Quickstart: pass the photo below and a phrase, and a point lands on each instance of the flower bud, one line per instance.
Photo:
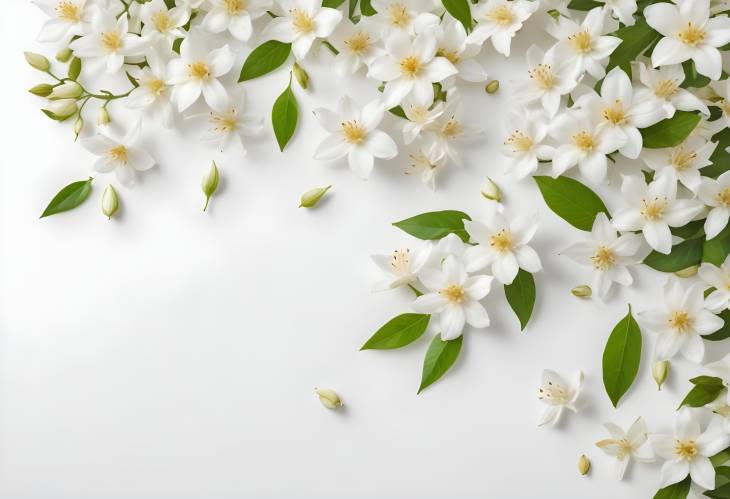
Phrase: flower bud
(329, 398)
(492, 87)
(301, 76)
(42, 90)
(582, 291)
(109, 201)
(78, 126)
(688, 272)
(659, 371)
(210, 183)
(584, 465)
(64, 55)
(102, 117)
(68, 90)
(37, 61)
(490, 190)
(62, 108)
(310, 198)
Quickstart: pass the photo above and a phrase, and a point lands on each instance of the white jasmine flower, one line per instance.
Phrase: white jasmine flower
(584, 143)
(585, 45)
(402, 267)
(419, 116)
(719, 278)
(68, 19)
(558, 395)
(608, 253)
(663, 84)
(654, 208)
(685, 160)
(688, 451)
(623, 445)
(108, 40)
(121, 156)
(688, 33)
(451, 40)
(427, 161)
(623, 10)
(300, 22)
(234, 16)
(358, 46)
(410, 68)
(716, 195)
(549, 79)
(354, 133)
(161, 24)
(502, 245)
(231, 125)
(196, 72)
(453, 296)
(681, 321)
(153, 94)
(500, 20)
(408, 16)
(447, 129)
(524, 145)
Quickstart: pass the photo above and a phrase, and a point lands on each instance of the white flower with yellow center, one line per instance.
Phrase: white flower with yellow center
(549, 79)
(716, 195)
(353, 133)
(502, 245)
(654, 208)
(623, 445)
(428, 161)
(451, 40)
(722, 89)
(407, 16)
(68, 18)
(623, 10)
(584, 143)
(162, 25)
(685, 160)
(122, 156)
(419, 116)
(688, 33)
(196, 72)
(358, 46)
(718, 278)
(585, 46)
(688, 450)
(454, 297)
(680, 323)
(524, 144)
(447, 130)
(499, 21)
(558, 395)
(410, 67)
(301, 22)
(234, 16)
(152, 93)
(402, 266)
(608, 254)
(108, 41)
(230, 125)
(663, 84)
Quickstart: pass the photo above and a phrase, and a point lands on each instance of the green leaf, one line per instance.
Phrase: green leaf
(284, 116)
(621, 358)
(583, 5)
(683, 255)
(264, 59)
(69, 197)
(74, 68)
(521, 296)
(670, 132)
(440, 356)
(131, 79)
(634, 40)
(366, 8)
(398, 111)
(722, 457)
(332, 4)
(459, 10)
(694, 228)
(436, 224)
(724, 332)
(722, 492)
(720, 158)
(722, 475)
(679, 490)
(692, 79)
(706, 389)
(715, 250)
(570, 200)
(176, 45)
(398, 332)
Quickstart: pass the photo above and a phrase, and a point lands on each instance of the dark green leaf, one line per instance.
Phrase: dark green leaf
(459, 10)
(621, 358)
(722, 476)
(74, 68)
(683, 255)
(694, 228)
(284, 116)
(264, 59)
(440, 356)
(722, 457)
(521, 296)
(679, 490)
(715, 250)
(69, 197)
(176, 45)
(670, 132)
(720, 157)
(398, 111)
(436, 224)
(583, 5)
(721, 492)
(724, 332)
(366, 8)
(692, 79)
(572, 201)
(634, 40)
(706, 389)
(398, 332)
(332, 4)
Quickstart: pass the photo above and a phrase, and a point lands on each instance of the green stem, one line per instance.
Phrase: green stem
(207, 199)
(330, 47)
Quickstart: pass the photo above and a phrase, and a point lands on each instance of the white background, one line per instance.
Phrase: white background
(173, 354)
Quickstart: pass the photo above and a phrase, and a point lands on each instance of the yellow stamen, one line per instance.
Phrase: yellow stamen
(353, 132)
(686, 449)
(155, 86)
(410, 66)
(111, 41)
(225, 122)
(723, 198)
(68, 11)
(666, 88)
(235, 7)
(683, 159)
(681, 321)
(501, 15)
(519, 141)
(302, 22)
(454, 293)
(162, 22)
(615, 113)
(581, 42)
(198, 70)
(359, 42)
(603, 258)
(653, 209)
(501, 241)
(543, 76)
(401, 261)
(450, 55)
(584, 141)
(398, 15)
(118, 153)
(692, 35)
(452, 129)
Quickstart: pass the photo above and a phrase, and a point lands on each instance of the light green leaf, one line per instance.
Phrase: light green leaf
(264, 59)
(74, 68)
(436, 224)
(570, 200)
(398, 332)
(722, 457)
(682, 255)
(670, 132)
(679, 490)
(69, 197)
(366, 8)
(695, 228)
(634, 41)
(724, 332)
(583, 5)
(715, 250)
(284, 116)
(722, 475)
(459, 10)
(706, 389)
(521, 296)
(621, 358)
(440, 356)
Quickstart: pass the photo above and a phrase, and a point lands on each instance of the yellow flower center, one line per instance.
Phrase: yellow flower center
(302, 22)
(235, 7)
(359, 42)
(398, 15)
(198, 70)
(454, 293)
(680, 320)
(682, 159)
(68, 11)
(501, 15)
(603, 258)
(615, 113)
(155, 86)
(452, 128)
(453, 57)
(118, 153)
(543, 76)
(224, 122)
(686, 449)
(401, 261)
(353, 132)
(162, 22)
(692, 35)
(666, 88)
(519, 141)
(584, 141)
(501, 241)
(581, 42)
(653, 209)
(411, 66)
(624, 447)
(723, 198)
(111, 41)
(555, 394)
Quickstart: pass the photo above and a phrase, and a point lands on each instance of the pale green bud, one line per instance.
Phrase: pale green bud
(310, 198)
(329, 398)
(688, 272)
(660, 371)
(68, 90)
(109, 201)
(490, 190)
(78, 126)
(37, 61)
(42, 90)
(584, 465)
(62, 108)
(582, 291)
(102, 117)
(64, 55)
(492, 87)
(301, 76)
(210, 183)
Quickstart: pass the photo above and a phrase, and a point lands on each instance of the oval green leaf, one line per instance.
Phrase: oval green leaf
(683, 255)
(679, 490)
(398, 332)
(264, 59)
(440, 356)
(284, 116)
(634, 41)
(571, 200)
(521, 296)
(706, 390)
(670, 132)
(621, 358)
(436, 224)
(69, 197)
(459, 10)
